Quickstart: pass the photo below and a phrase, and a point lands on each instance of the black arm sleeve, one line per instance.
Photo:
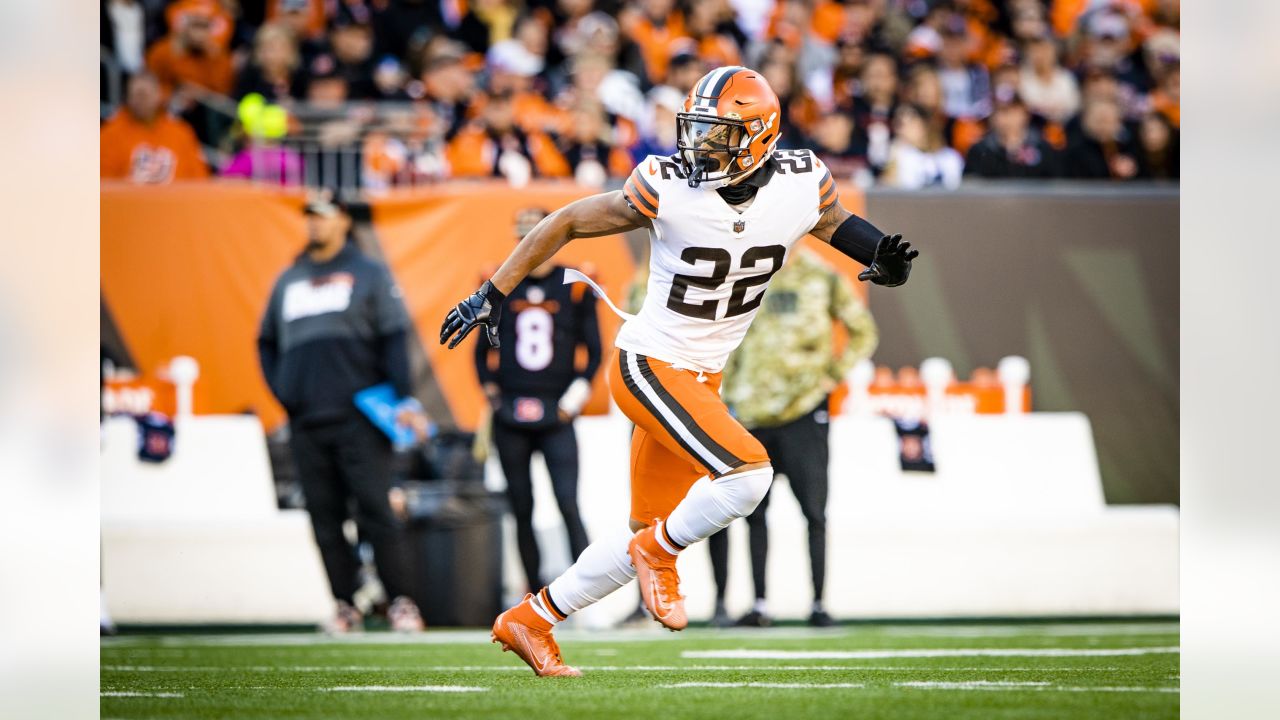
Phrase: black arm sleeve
(589, 327)
(857, 238)
(395, 362)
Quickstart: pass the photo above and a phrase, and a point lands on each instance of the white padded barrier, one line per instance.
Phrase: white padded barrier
(198, 537)
(1013, 523)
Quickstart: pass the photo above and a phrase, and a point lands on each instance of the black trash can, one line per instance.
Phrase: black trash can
(455, 541)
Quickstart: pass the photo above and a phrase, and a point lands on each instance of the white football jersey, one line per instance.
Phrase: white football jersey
(709, 264)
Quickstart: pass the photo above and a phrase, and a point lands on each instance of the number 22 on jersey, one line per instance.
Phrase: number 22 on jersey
(765, 258)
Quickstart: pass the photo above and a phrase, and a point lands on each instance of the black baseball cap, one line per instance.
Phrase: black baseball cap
(323, 204)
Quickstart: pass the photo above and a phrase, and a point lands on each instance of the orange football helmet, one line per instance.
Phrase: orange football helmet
(729, 127)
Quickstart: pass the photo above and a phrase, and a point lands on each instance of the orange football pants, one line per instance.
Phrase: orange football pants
(683, 431)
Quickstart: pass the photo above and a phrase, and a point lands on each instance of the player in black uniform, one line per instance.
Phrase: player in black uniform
(536, 389)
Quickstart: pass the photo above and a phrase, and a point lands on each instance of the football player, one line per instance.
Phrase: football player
(536, 390)
(722, 215)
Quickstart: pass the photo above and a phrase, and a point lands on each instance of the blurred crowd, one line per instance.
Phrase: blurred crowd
(903, 93)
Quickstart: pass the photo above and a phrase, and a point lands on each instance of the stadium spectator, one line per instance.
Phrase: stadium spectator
(874, 107)
(801, 109)
(1158, 157)
(1049, 89)
(389, 79)
(448, 88)
(275, 69)
(401, 25)
(658, 135)
(594, 76)
(307, 19)
(494, 146)
(1107, 46)
(590, 151)
(223, 26)
(335, 325)
(1105, 148)
(536, 389)
(918, 158)
(1013, 149)
(327, 87)
(128, 27)
(350, 53)
(266, 161)
(712, 34)
(653, 25)
(966, 86)
(487, 23)
(189, 59)
(840, 144)
(683, 71)
(144, 144)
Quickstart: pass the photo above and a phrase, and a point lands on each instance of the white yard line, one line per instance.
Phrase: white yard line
(744, 654)
(131, 693)
(1065, 630)
(968, 685)
(1038, 687)
(406, 688)
(781, 686)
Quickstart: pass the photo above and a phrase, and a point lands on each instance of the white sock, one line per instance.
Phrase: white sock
(712, 504)
(761, 607)
(602, 568)
(543, 611)
(662, 540)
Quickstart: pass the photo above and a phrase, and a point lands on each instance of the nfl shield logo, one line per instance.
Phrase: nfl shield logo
(739, 226)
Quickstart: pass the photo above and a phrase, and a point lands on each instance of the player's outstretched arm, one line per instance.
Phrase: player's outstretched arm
(595, 216)
(887, 257)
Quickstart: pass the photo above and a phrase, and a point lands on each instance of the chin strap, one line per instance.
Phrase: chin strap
(743, 191)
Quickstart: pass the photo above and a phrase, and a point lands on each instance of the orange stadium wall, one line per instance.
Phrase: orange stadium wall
(187, 268)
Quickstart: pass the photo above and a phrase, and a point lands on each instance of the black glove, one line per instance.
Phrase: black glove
(892, 263)
(483, 307)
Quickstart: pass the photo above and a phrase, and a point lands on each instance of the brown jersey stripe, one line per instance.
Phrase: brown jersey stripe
(826, 190)
(638, 202)
(828, 199)
(645, 188)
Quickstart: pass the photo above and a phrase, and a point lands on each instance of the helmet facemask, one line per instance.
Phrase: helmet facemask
(715, 151)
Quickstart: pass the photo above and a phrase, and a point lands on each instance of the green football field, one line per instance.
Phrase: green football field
(900, 671)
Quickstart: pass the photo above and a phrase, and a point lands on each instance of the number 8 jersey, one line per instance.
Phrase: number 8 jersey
(710, 264)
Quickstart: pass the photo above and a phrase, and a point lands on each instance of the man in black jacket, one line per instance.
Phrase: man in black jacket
(536, 389)
(1013, 149)
(335, 325)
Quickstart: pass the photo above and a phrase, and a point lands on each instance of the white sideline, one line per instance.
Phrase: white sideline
(592, 668)
(406, 688)
(130, 693)
(920, 653)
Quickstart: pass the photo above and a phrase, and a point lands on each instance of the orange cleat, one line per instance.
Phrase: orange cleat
(659, 583)
(523, 631)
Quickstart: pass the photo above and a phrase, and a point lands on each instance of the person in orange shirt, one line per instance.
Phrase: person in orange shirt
(223, 21)
(494, 146)
(144, 144)
(653, 26)
(190, 56)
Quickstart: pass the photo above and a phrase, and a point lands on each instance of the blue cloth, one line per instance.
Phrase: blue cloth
(380, 404)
